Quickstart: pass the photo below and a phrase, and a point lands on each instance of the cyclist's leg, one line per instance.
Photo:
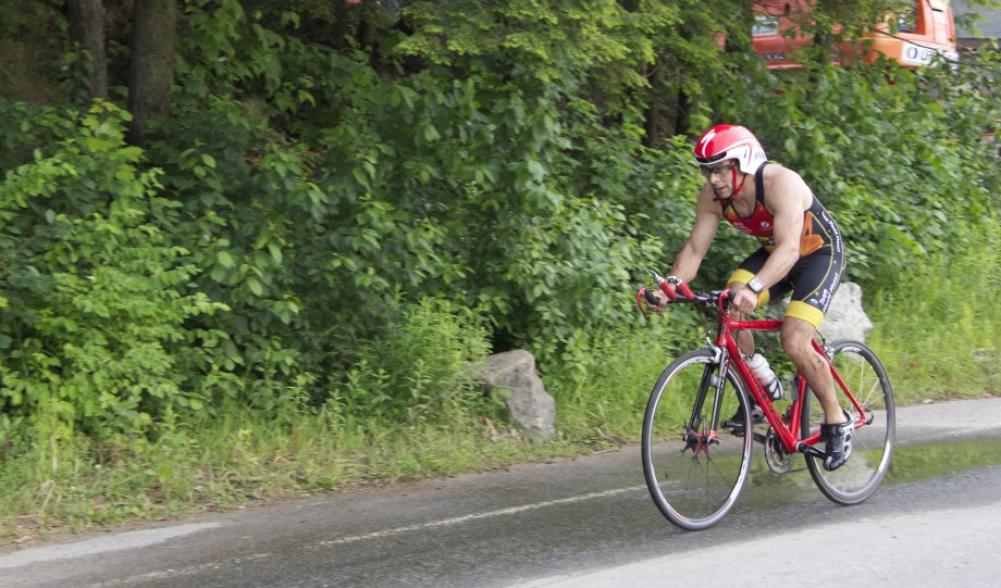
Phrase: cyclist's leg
(797, 334)
(815, 278)
(837, 428)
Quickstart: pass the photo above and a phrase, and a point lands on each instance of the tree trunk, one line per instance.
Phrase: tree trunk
(652, 124)
(681, 121)
(87, 26)
(151, 71)
(345, 17)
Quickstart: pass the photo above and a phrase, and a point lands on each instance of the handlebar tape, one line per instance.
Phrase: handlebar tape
(668, 289)
(672, 291)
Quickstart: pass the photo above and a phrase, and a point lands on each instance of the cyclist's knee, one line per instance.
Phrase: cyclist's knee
(796, 337)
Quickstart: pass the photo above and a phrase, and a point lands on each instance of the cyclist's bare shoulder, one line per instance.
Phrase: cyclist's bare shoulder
(776, 174)
(784, 186)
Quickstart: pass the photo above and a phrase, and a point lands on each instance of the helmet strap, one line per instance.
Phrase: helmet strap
(736, 189)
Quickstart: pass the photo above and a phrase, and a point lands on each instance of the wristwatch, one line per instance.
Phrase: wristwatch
(755, 285)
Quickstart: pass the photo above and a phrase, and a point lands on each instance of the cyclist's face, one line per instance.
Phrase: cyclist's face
(720, 178)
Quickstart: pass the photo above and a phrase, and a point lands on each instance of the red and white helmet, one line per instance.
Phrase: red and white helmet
(723, 142)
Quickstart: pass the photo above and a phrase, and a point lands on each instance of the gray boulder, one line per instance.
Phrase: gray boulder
(845, 317)
(530, 405)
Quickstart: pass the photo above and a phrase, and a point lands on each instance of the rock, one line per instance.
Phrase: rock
(845, 318)
(530, 405)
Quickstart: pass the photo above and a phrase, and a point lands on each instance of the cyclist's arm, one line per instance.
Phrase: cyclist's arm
(785, 198)
(707, 215)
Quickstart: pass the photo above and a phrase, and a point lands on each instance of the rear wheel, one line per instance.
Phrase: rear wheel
(872, 443)
(694, 473)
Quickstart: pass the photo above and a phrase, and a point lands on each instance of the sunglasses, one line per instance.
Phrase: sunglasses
(718, 169)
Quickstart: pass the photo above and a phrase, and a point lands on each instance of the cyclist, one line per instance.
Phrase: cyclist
(800, 251)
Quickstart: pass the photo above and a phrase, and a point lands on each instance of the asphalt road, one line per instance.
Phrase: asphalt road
(584, 522)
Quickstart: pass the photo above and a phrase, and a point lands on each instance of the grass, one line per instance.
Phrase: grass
(240, 460)
(937, 334)
(601, 386)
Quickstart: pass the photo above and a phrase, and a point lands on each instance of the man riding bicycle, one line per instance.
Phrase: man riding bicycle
(800, 252)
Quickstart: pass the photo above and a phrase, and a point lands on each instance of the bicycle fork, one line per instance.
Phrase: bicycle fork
(696, 436)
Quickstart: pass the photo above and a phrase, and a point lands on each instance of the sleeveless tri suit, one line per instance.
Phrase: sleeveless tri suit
(817, 273)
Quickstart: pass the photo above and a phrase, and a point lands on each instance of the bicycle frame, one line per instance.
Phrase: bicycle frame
(696, 492)
(787, 434)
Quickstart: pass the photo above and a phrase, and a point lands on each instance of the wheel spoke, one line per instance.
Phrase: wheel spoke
(693, 478)
(872, 444)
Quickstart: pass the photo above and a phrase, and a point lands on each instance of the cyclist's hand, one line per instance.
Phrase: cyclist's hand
(742, 299)
(661, 300)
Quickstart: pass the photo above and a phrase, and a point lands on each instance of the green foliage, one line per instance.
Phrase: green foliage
(937, 333)
(244, 457)
(424, 369)
(488, 153)
(540, 39)
(603, 379)
(94, 298)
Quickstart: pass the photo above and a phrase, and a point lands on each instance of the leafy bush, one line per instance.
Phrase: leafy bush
(95, 299)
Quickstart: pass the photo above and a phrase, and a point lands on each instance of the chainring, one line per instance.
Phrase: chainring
(776, 457)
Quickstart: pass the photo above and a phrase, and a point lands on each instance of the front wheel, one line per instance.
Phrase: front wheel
(695, 472)
(872, 443)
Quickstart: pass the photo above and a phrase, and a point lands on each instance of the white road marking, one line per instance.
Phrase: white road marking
(476, 516)
(143, 538)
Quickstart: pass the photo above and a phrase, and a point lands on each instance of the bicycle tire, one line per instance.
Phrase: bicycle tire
(872, 444)
(694, 492)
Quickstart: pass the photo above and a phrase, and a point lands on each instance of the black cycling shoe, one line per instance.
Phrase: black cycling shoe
(736, 422)
(838, 438)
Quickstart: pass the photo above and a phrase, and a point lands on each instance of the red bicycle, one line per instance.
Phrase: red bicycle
(695, 467)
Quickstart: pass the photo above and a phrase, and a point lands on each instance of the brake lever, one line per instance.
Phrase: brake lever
(665, 285)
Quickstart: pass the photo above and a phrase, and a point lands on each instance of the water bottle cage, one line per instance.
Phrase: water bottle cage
(765, 376)
(774, 390)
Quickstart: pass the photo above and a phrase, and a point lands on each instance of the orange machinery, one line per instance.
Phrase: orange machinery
(920, 34)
